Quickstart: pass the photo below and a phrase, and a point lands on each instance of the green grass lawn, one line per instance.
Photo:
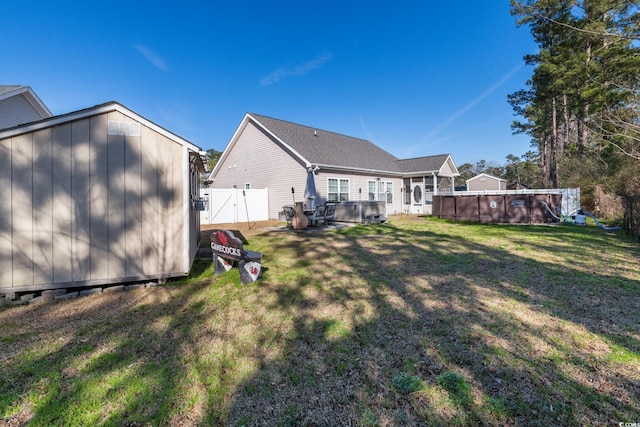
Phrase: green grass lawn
(415, 322)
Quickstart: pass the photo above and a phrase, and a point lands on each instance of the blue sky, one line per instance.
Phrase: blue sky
(414, 77)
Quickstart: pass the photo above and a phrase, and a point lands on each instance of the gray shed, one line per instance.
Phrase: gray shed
(97, 196)
(485, 181)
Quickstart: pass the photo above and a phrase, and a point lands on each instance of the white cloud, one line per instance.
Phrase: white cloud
(453, 117)
(299, 70)
(152, 57)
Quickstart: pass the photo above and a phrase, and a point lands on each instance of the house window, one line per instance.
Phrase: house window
(372, 191)
(247, 186)
(338, 190)
(383, 190)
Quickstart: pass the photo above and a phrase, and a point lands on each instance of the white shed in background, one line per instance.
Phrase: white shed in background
(485, 181)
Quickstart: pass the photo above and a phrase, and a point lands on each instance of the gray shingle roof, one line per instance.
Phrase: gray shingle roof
(328, 148)
(322, 147)
(423, 164)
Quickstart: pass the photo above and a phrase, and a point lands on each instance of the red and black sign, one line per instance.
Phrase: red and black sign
(225, 244)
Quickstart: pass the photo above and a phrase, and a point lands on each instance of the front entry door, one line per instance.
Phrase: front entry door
(417, 199)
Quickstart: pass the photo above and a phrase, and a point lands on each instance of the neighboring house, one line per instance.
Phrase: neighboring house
(20, 105)
(97, 196)
(485, 181)
(275, 154)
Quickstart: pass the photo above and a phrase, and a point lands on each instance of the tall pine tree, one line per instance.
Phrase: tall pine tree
(581, 105)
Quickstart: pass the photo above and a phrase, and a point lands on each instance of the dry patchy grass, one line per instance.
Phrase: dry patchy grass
(410, 323)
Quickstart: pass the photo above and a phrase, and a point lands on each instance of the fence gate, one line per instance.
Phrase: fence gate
(231, 205)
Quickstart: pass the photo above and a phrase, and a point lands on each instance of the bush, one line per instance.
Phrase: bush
(406, 383)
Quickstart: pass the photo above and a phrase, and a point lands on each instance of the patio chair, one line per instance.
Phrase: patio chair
(289, 212)
(329, 213)
(317, 215)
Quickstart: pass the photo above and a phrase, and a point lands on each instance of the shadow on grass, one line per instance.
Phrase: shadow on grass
(105, 360)
(496, 337)
(496, 325)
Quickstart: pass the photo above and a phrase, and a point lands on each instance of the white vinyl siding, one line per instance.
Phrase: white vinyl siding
(17, 110)
(277, 170)
(448, 168)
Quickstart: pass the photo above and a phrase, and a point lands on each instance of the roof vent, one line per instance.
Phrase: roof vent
(123, 128)
(315, 133)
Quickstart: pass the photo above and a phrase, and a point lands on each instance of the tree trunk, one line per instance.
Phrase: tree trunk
(565, 126)
(544, 160)
(583, 129)
(553, 177)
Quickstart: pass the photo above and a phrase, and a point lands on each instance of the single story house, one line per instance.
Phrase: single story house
(20, 105)
(96, 196)
(485, 181)
(269, 153)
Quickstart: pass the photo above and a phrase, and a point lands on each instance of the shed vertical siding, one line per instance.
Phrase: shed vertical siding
(6, 225)
(43, 214)
(115, 204)
(133, 206)
(99, 197)
(484, 182)
(84, 207)
(80, 191)
(21, 209)
(62, 204)
(170, 206)
(150, 209)
(165, 200)
(177, 204)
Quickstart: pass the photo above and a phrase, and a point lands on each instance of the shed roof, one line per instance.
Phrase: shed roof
(101, 109)
(329, 149)
(486, 175)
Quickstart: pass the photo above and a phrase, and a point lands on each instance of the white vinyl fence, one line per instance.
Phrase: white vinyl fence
(231, 205)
